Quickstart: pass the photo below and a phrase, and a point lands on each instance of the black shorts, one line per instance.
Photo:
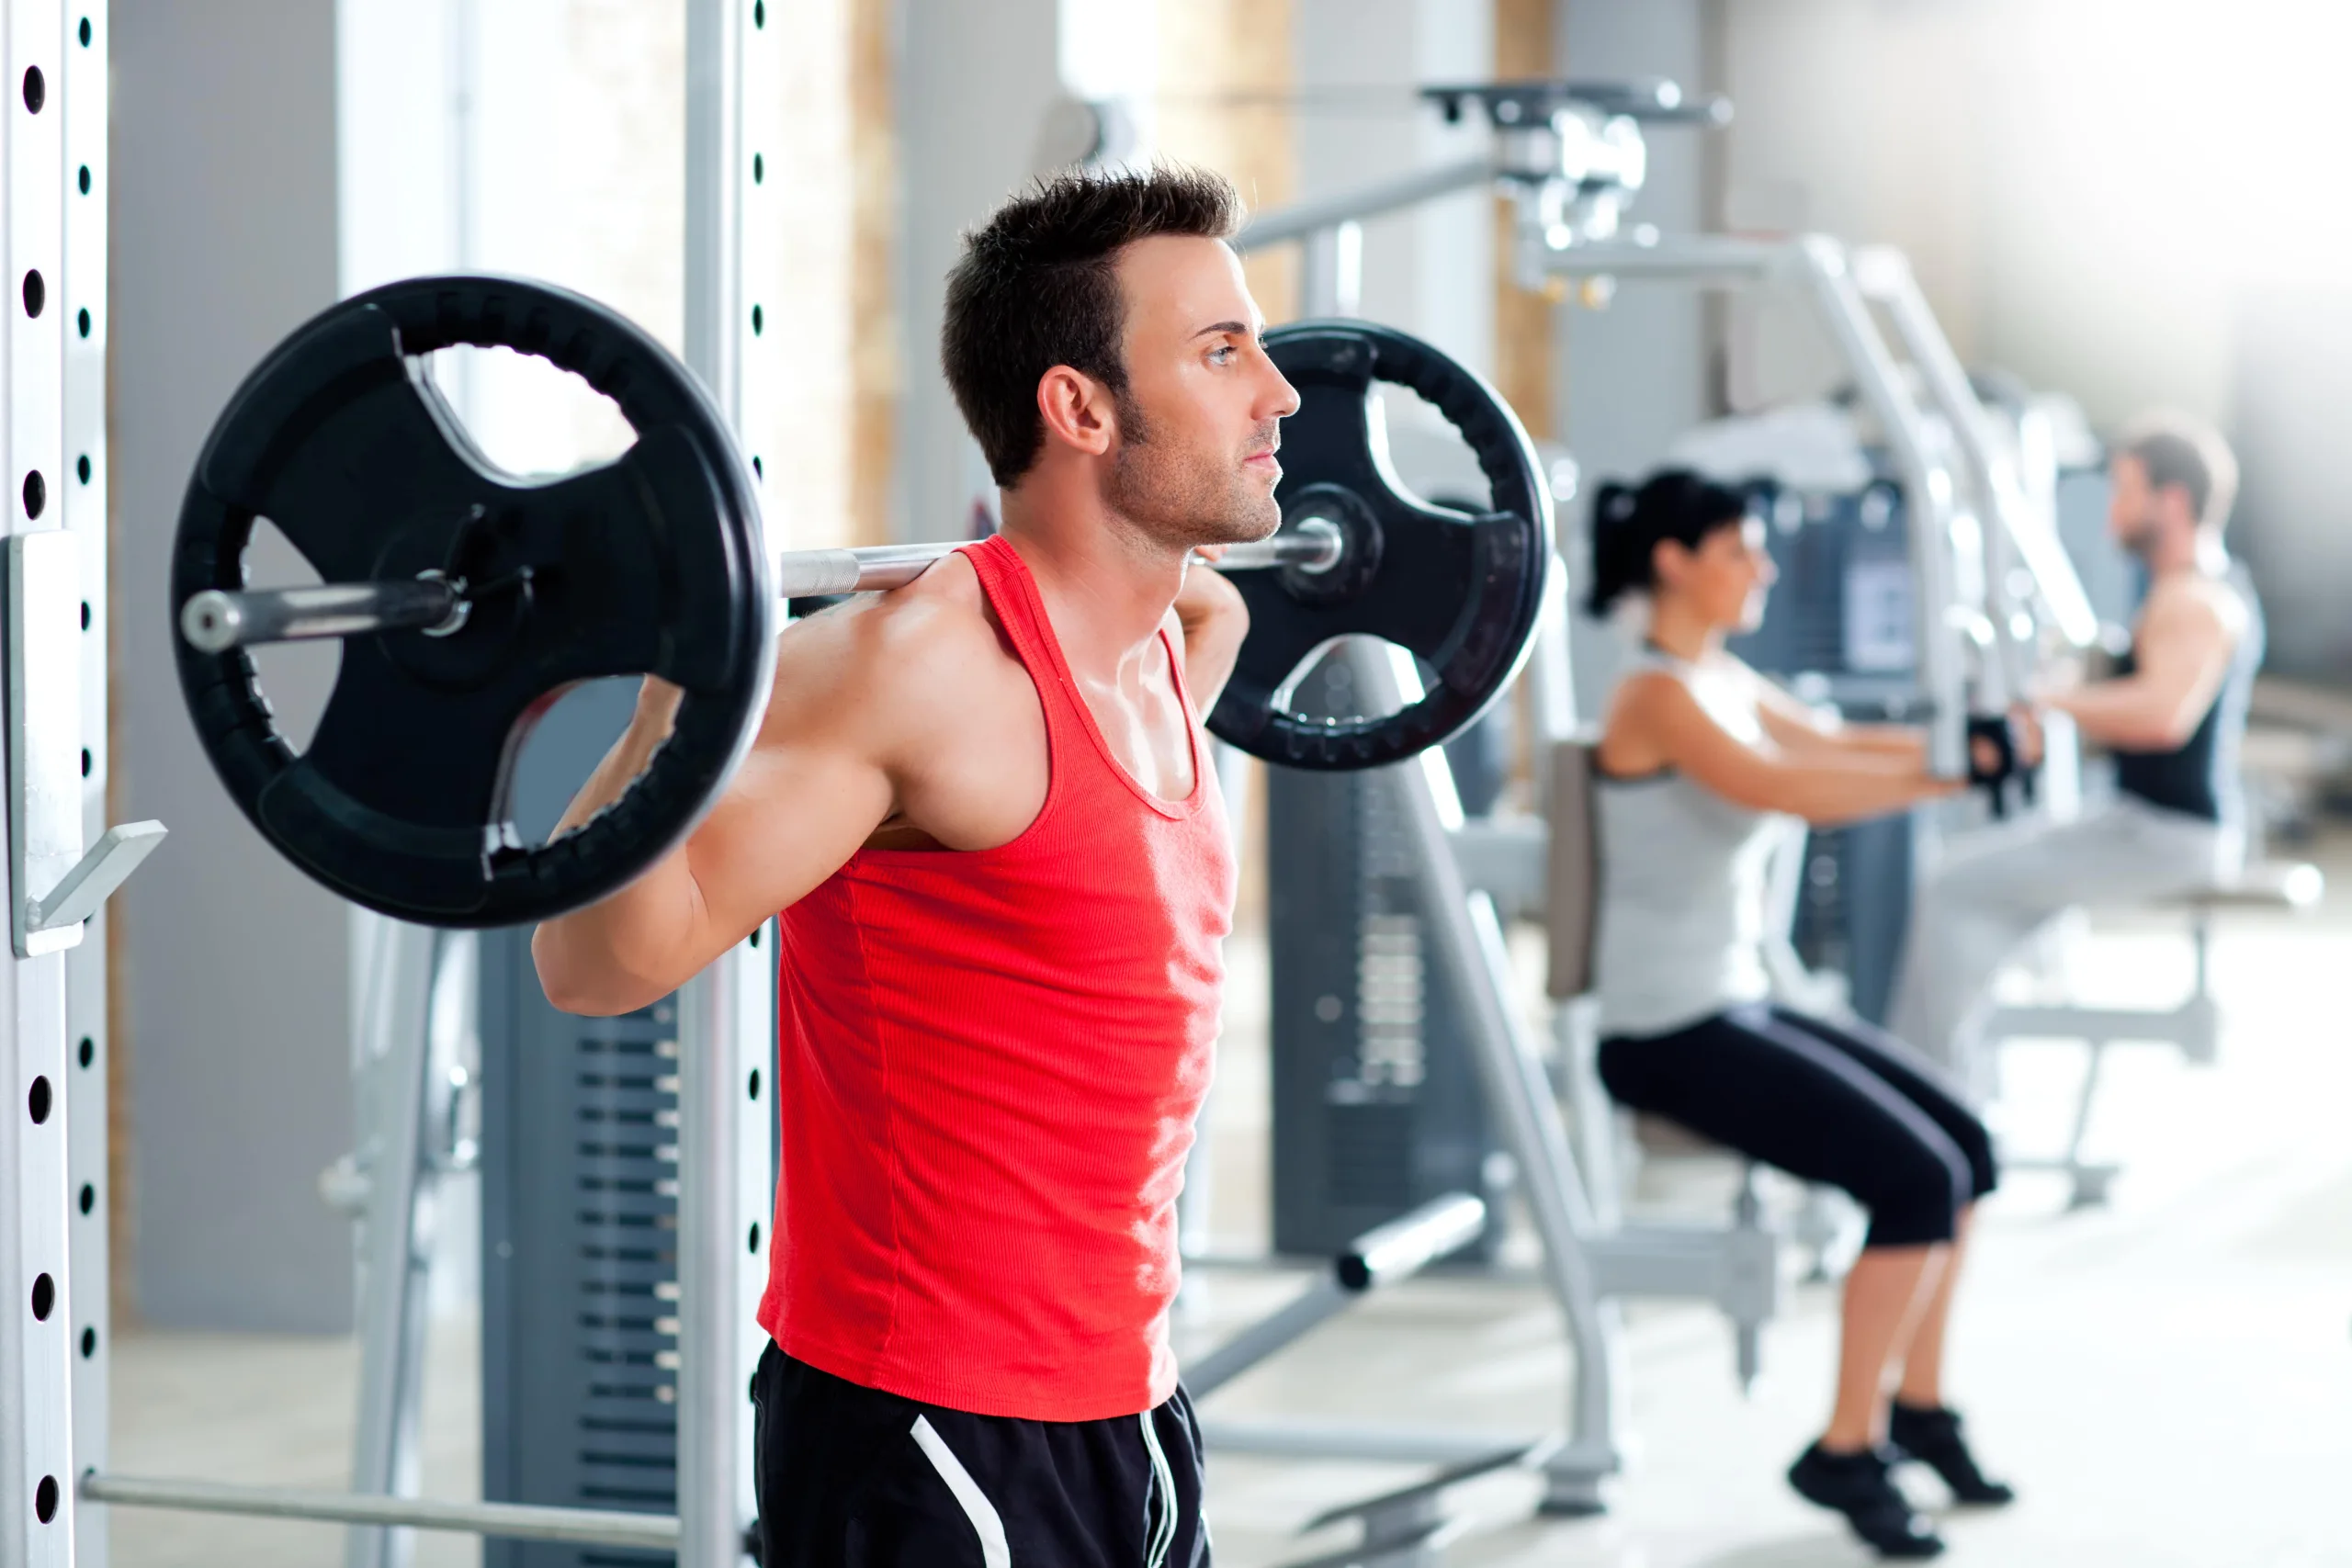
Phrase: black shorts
(849, 1477)
(1845, 1104)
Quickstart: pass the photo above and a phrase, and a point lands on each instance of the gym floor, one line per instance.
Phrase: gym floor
(2169, 1380)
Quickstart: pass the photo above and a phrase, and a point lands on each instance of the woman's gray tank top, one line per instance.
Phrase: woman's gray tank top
(1683, 875)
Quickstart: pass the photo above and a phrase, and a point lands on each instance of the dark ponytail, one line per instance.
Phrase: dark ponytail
(1630, 522)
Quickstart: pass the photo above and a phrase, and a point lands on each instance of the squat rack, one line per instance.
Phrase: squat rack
(52, 990)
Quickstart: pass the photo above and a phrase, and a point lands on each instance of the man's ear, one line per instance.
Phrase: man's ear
(1077, 410)
(2178, 500)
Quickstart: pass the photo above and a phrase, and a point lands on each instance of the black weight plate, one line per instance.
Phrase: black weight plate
(652, 563)
(1462, 591)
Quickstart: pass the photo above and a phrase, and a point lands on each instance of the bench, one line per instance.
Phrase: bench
(2192, 1026)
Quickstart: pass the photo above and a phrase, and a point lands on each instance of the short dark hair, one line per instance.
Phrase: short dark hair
(1630, 522)
(2172, 449)
(1035, 287)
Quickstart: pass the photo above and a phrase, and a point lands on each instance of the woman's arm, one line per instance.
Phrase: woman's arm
(1656, 723)
(1803, 729)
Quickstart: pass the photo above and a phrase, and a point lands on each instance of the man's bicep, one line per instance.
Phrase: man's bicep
(797, 810)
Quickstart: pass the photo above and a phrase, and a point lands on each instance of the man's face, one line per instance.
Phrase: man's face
(1194, 463)
(2137, 512)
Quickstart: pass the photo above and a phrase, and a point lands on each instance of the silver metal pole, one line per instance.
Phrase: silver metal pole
(1300, 218)
(1331, 272)
(1722, 261)
(1927, 490)
(713, 202)
(396, 1234)
(1380, 1256)
(1324, 1299)
(217, 619)
(714, 1440)
(508, 1521)
(710, 1225)
(1469, 940)
(1355, 1440)
(1885, 275)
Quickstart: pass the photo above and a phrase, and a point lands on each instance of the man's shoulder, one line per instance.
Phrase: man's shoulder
(2197, 596)
(932, 642)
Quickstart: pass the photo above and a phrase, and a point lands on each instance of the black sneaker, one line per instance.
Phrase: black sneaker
(1859, 1487)
(1932, 1436)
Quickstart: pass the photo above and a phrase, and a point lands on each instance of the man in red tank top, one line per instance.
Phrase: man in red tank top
(983, 803)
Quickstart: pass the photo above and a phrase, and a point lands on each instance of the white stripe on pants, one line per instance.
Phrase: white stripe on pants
(1995, 888)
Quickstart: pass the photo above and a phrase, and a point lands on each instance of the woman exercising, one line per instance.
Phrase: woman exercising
(1700, 760)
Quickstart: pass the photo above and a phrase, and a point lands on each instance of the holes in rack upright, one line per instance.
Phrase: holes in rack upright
(82, 468)
(83, 179)
(38, 1100)
(36, 494)
(44, 1297)
(36, 88)
(46, 1497)
(36, 292)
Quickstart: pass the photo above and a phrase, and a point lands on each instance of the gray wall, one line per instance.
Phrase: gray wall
(1633, 375)
(1636, 372)
(1427, 269)
(2138, 216)
(974, 85)
(224, 239)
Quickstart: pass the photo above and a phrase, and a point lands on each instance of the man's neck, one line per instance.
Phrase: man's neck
(2198, 553)
(1108, 589)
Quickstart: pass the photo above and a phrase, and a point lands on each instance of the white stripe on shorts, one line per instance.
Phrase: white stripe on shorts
(994, 1552)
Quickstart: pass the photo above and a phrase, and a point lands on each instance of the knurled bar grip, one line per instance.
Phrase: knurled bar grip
(218, 620)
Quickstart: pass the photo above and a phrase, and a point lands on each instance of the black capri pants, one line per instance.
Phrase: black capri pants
(1844, 1104)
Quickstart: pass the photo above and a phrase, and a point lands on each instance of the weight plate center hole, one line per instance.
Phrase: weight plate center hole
(530, 419)
(297, 677)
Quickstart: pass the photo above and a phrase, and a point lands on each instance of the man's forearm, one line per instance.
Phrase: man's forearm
(580, 954)
(1212, 643)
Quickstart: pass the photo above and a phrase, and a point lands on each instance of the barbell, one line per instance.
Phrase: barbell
(468, 601)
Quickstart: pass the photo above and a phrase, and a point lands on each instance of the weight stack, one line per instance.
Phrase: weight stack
(1377, 1107)
(1854, 910)
(580, 1261)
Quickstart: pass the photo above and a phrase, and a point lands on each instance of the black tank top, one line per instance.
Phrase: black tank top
(2199, 777)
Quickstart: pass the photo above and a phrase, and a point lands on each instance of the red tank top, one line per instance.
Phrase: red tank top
(990, 1065)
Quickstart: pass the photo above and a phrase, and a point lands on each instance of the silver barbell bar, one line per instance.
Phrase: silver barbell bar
(218, 620)
(508, 1521)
